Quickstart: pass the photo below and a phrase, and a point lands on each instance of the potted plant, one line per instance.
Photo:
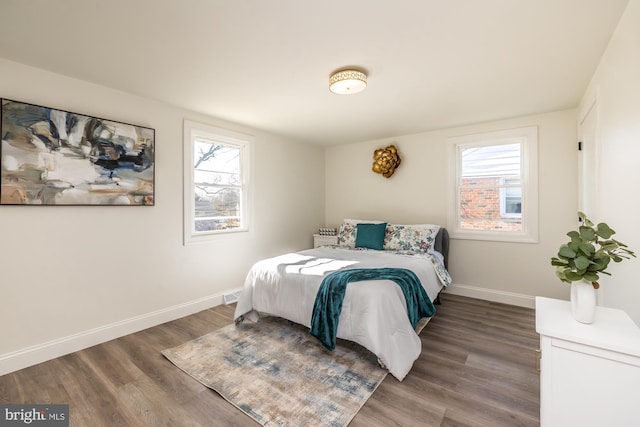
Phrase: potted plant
(583, 259)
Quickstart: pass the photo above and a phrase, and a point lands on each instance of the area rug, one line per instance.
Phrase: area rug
(279, 375)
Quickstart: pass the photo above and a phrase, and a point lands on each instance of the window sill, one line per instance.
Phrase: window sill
(213, 236)
(494, 236)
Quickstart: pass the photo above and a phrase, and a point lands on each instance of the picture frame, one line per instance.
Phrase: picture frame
(56, 157)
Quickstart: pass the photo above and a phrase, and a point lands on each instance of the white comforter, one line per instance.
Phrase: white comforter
(374, 313)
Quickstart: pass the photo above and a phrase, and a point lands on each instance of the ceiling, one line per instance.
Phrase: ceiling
(431, 63)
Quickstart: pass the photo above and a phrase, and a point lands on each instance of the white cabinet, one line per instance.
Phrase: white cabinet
(589, 374)
(322, 240)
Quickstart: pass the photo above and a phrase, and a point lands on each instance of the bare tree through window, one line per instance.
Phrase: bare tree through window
(217, 186)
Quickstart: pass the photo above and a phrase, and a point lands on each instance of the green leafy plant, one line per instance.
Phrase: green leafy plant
(589, 253)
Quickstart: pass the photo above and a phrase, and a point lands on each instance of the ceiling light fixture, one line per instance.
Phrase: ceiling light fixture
(346, 82)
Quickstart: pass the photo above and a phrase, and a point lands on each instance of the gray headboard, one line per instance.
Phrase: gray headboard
(442, 245)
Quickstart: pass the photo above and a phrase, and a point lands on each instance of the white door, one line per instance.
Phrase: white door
(588, 165)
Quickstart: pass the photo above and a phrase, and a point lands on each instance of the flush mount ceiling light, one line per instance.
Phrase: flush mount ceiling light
(346, 82)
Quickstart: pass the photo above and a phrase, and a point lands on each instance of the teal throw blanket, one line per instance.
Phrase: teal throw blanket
(328, 304)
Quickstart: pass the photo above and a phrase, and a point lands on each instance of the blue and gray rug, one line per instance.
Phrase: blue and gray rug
(280, 375)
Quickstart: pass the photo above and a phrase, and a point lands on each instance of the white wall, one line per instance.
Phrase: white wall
(74, 276)
(616, 86)
(417, 193)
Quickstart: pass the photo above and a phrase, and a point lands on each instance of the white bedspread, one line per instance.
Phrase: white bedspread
(374, 313)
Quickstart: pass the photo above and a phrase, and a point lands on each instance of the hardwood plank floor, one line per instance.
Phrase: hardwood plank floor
(477, 368)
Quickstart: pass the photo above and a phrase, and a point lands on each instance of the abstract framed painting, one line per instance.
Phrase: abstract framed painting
(55, 157)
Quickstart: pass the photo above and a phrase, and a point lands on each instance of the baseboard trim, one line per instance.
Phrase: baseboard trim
(16, 360)
(10, 362)
(493, 295)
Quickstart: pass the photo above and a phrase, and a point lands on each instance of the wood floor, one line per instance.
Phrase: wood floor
(477, 368)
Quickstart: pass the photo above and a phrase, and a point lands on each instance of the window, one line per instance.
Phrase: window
(493, 186)
(511, 198)
(216, 181)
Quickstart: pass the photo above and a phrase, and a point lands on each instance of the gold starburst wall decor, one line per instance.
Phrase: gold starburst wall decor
(386, 160)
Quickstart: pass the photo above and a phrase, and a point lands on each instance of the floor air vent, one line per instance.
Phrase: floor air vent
(231, 298)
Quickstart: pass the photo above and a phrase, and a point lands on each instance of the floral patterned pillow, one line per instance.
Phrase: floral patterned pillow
(414, 238)
(347, 235)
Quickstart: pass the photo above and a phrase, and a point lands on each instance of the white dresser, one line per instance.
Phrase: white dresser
(322, 240)
(589, 374)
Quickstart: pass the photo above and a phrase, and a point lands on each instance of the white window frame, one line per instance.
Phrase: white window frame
(528, 137)
(193, 131)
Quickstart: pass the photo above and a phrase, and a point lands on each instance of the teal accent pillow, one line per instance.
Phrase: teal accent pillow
(370, 236)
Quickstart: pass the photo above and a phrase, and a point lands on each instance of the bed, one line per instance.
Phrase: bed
(374, 312)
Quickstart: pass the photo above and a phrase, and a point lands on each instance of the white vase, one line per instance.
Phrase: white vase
(583, 301)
